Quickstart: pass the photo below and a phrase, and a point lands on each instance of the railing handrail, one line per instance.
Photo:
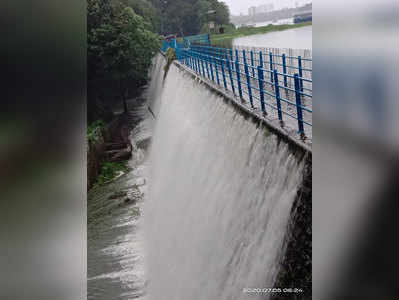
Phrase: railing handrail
(270, 83)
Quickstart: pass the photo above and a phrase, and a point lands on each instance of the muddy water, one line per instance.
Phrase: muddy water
(114, 249)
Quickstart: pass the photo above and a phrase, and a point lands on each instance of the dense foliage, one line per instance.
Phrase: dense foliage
(120, 47)
(188, 17)
(109, 170)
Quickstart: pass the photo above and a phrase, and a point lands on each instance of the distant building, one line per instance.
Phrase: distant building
(252, 11)
(265, 8)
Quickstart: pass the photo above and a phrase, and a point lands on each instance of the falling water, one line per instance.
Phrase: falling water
(221, 190)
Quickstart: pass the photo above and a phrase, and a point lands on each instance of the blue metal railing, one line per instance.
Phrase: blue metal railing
(279, 86)
(200, 39)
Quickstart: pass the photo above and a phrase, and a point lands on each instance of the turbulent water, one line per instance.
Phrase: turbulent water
(220, 195)
(114, 248)
(210, 205)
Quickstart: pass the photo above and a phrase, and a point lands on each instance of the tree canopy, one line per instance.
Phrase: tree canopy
(120, 48)
(187, 17)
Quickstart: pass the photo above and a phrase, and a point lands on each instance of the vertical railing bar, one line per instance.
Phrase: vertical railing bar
(299, 107)
(231, 76)
(284, 70)
(277, 94)
(238, 78)
(300, 72)
(216, 70)
(271, 66)
(252, 63)
(248, 83)
(210, 65)
(223, 74)
(262, 94)
(206, 64)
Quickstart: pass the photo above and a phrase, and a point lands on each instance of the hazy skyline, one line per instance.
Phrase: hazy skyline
(240, 6)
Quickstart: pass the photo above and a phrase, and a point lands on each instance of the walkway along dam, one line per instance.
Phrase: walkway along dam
(229, 204)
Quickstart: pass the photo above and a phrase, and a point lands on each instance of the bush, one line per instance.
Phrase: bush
(109, 170)
(94, 130)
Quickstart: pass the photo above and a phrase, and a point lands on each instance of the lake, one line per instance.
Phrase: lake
(297, 38)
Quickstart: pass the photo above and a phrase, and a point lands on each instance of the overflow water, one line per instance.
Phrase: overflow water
(220, 194)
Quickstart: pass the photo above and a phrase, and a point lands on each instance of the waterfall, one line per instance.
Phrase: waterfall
(221, 190)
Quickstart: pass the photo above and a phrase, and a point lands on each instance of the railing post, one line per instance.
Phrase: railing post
(252, 63)
(262, 94)
(197, 64)
(238, 78)
(271, 66)
(300, 72)
(299, 107)
(261, 59)
(244, 56)
(237, 55)
(248, 83)
(231, 58)
(277, 93)
(211, 67)
(284, 70)
(224, 76)
(216, 70)
(231, 76)
(206, 64)
(203, 68)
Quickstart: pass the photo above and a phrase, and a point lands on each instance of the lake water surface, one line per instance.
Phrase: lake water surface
(298, 38)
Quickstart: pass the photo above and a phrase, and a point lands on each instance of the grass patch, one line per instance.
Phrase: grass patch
(94, 130)
(109, 170)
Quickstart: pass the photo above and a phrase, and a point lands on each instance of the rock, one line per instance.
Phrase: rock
(144, 144)
(117, 195)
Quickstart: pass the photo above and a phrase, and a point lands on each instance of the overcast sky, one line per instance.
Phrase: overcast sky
(241, 6)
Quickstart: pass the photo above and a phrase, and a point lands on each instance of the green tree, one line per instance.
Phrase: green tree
(120, 49)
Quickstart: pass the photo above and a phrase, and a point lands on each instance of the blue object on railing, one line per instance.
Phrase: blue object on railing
(277, 93)
(200, 39)
(298, 105)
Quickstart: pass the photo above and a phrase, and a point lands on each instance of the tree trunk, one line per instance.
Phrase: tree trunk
(124, 103)
(123, 95)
